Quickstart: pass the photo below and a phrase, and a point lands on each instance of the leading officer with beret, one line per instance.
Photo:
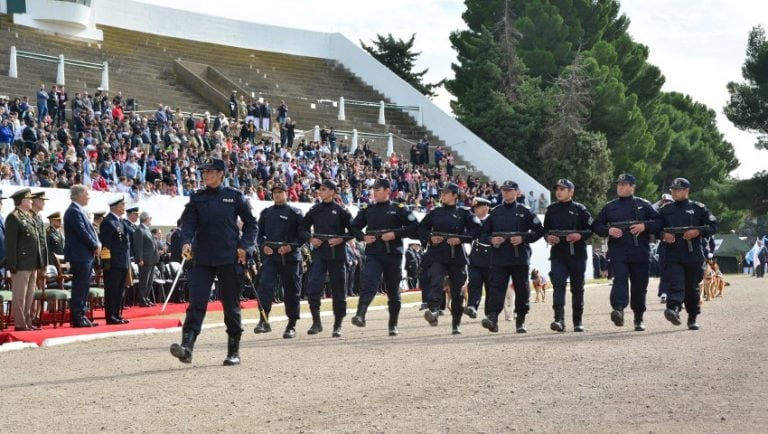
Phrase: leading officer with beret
(685, 252)
(479, 270)
(445, 255)
(383, 252)
(328, 255)
(568, 254)
(211, 237)
(280, 223)
(115, 260)
(510, 256)
(628, 248)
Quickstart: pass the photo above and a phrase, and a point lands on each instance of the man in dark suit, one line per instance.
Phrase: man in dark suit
(146, 256)
(2, 238)
(115, 260)
(81, 248)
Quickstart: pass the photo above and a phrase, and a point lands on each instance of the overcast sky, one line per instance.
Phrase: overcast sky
(698, 44)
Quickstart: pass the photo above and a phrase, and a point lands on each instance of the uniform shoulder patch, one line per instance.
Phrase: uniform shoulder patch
(401, 205)
(640, 199)
(296, 210)
(580, 206)
(524, 206)
(699, 204)
(364, 206)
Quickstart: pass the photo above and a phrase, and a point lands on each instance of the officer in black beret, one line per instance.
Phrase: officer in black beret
(510, 256)
(328, 255)
(628, 248)
(445, 255)
(280, 223)
(568, 254)
(211, 238)
(383, 252)
(479, 270)
(685, 251)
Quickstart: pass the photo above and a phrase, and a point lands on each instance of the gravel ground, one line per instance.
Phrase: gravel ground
(609, 379)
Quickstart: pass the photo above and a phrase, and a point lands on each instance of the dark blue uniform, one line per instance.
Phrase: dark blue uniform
(568, 216)
(453, 220)
(209, 224)
(114, 235)
(281, 223)
(332, 219)
(383, 216)
(629, 262)
(478, 276)
(506, 263)
(684, 267)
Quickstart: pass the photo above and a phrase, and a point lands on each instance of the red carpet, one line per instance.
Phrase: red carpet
(174, 309)
(49, 332)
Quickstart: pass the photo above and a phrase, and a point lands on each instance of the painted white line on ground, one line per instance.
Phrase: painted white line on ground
(13, 346)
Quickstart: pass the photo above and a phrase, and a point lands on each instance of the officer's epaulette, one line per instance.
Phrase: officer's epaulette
(229, 188)
(699, 204)
(364, 206)
(640, 199)
(580, 206)
(612, 200)
(401, 205)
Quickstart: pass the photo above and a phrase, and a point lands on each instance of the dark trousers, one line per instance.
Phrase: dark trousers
(81, 284)
(145, 280)
(413, 279)
(498, 290)
(760, 271)
(375, 266)
(335, 270)
(271, 268)
(478, 277)
(114, 288)
(200, 279)
(684, 278)
(561, 271)
(624, 275)
(435, 277)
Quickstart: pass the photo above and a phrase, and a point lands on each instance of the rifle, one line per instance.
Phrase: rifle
(326, 237)
(677, 230)
(629, 224)
(508, 235)
(379, 232)
(562, 233)
(247, 270)
(275, 245)
(446, 235)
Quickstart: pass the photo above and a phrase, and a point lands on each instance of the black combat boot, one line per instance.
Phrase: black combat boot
(672, 315)
(394, 314)
(432, 315)
(337, 326)
(639, 323)
(233, 351)
(692, 324)
(317, 325)
(359, 318)
(520, 324)
(262, 327)
(617, 316)
(558, 324)
(578, 324)
(290, 329)
(183, 351)
(490, 322)
(455, 325)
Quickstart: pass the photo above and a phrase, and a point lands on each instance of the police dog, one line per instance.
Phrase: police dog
(539, 284)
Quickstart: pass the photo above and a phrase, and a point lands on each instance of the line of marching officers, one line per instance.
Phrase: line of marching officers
(500, 239)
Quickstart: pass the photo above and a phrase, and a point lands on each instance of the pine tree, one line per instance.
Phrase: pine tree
(399, 57)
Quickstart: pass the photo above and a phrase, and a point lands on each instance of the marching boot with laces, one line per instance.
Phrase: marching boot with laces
(359, 318)
(233, 351)
(317, 325)
(183, 351)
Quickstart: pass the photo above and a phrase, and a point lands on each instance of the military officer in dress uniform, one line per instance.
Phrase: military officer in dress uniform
(510, 256)
(628, 248)
(54, 237)
(568, 254)
(24, 257)
(445, 255)
(479, 270)
(328, 255)
(210, 236)
(115, 239)
(684, 268)
(280, 223)
(38, 204)
(383, 252)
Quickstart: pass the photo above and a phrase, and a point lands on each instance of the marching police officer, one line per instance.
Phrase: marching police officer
(280, 223)
(383, 252)
(568, 254)
(510, 255)
(445, 255)
(24, 257)
(685, 251)
(479, 270)
(628, 221)
(54, 237)
(328, 255)
(115, 260)
(211, 238)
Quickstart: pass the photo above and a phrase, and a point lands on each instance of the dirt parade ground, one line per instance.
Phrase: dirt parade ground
(609, 379)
